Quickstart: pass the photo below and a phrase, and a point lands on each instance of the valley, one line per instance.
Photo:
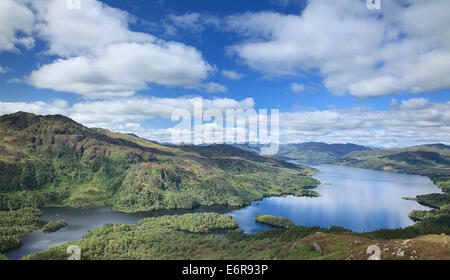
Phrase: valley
(52, 161)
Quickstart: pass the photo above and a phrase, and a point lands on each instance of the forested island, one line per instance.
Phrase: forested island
(279, 222)
(54, 226)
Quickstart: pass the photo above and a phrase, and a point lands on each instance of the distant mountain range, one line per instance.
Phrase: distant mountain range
(315, 153)
(309, 153)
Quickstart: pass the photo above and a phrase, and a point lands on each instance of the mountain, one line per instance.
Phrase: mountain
(54, 161)
(314, 153)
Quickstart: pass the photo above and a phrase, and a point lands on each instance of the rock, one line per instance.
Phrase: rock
(294, 247)
(317, 246)
(400, 253)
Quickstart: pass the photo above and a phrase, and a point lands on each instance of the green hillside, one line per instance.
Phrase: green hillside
(54, 161)
(432, 161)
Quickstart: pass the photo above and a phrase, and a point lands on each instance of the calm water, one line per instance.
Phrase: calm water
(354, 198)
(357, 199)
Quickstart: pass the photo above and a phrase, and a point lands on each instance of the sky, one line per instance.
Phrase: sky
(337, 71)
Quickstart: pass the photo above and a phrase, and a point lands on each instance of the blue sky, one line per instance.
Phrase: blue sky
(337, 71)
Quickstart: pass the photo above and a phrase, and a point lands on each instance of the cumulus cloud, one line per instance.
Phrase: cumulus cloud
(356, 50)
(232, 74)
(77, 32)
(297, 88)
(121, 69)
(100, 56)
(16, 25)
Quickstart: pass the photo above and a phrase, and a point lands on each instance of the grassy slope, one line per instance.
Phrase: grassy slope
(54, 161)
(432, 161)
(177, 237)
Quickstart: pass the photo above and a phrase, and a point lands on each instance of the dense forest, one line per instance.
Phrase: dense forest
(16, 223)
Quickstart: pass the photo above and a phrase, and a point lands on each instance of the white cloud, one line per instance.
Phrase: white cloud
(14, 81)
(3, 70)
(122, 69)
(415, 104)
(77, 32)
(189, 21)
(355, 50)
(41, 108)
(297, 88)
(214, 87)
(102, 57)
(16, 25)
(415, 121)
(113, 112)
(143, 108)
(192, 22)
(232, 74)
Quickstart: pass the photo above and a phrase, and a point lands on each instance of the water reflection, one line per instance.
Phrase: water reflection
(357, 199)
